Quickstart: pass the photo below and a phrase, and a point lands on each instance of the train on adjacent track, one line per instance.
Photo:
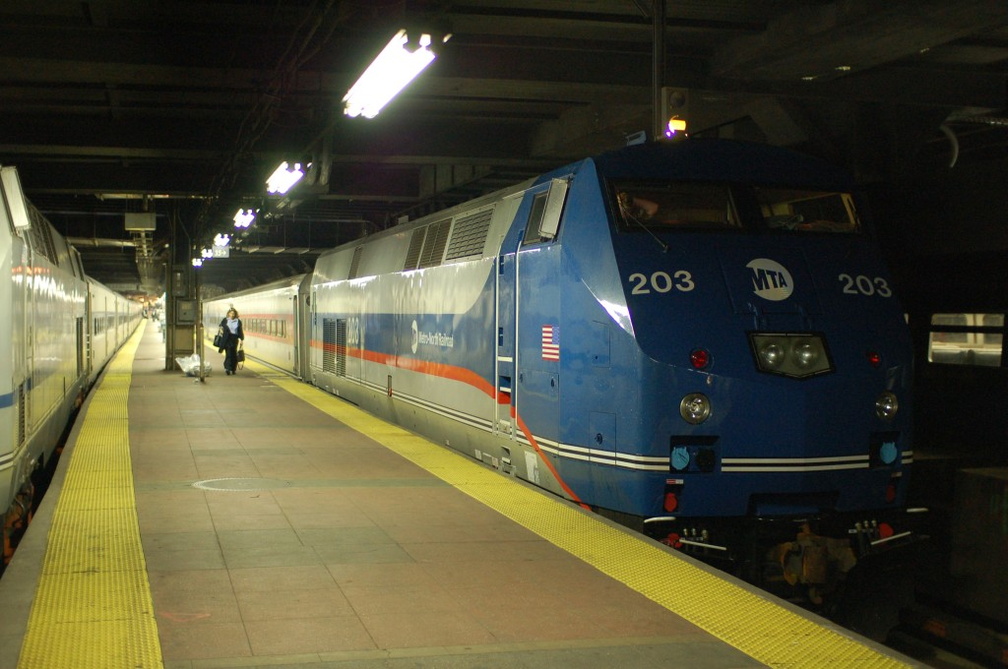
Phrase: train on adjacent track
(697, 339)
(58, 329)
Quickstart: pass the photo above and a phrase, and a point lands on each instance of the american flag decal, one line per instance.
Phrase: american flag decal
(550, 342)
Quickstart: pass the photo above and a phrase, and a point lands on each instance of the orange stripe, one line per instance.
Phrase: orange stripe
(468, 377)
(439, 369)
(542, 456)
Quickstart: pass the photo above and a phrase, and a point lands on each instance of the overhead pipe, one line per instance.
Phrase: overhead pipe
(96, 242)
(658, 66)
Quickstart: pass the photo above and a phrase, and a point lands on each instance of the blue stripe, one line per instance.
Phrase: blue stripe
(6, 400)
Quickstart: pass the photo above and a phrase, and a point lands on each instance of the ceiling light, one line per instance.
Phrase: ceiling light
(221, 239)
(391, 71)
(197, 262)
(284, 177)
(244, 218)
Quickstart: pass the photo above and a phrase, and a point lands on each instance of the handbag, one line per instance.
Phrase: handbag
(241, 352)
(218, 340)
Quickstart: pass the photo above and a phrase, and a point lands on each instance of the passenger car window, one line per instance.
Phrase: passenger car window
(966, 339)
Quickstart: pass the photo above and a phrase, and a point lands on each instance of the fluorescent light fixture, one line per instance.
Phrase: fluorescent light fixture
(221, 239)
(197, 262)
(206, 253)
(390, 72)
(244, 218)
(284, 177)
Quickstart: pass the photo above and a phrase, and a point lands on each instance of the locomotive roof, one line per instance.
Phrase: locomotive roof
(699, 159)
(708, 159)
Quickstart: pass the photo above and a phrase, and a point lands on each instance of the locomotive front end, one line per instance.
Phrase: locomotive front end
(774, 364)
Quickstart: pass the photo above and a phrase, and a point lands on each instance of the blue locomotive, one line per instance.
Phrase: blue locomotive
(698, 339)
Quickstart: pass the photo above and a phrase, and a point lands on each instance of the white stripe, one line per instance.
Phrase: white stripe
(794, 469)
(795, 461)
(653, 463)
(469, 419)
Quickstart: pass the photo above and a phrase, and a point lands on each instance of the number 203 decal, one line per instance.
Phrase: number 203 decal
(661, 282)
(865, 285)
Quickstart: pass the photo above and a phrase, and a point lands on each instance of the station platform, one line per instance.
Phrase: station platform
(255, 521)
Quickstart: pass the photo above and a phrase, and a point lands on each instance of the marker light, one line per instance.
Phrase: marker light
(675, 126)
(886, 405)
(695, 408)
(874, 358)
(699, 358)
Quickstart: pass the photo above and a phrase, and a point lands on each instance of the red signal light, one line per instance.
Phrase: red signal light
(671, 502)
(874, 358)
(699, 358)
(673, 540)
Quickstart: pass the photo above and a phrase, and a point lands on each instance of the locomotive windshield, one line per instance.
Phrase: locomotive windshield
(676, 205)
(664, 206)
(806, 210)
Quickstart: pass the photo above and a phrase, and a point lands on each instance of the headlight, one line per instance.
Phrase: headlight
(794, 355)
(695, 408)
(772, 354)
(805, 354)
(886, 405)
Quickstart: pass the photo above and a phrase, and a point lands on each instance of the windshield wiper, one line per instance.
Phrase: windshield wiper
(663, 245)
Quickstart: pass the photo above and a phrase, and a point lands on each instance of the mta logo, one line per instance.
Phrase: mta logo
(770, 279)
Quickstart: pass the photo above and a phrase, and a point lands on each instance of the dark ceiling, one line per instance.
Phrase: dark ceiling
(183, 108)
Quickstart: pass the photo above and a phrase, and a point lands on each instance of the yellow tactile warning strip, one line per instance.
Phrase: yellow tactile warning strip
(757, 626)
(93, 605)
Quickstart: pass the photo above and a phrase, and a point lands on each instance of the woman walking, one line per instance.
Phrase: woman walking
(233, 334)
